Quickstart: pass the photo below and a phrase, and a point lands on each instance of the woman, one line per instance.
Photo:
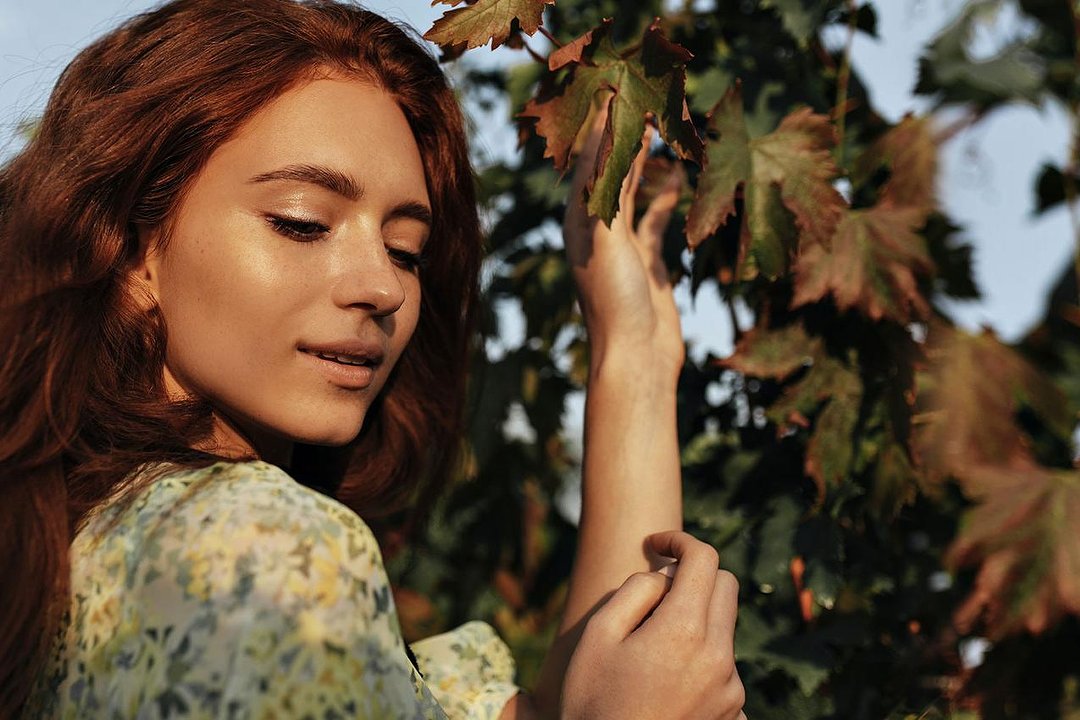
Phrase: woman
(239, 263)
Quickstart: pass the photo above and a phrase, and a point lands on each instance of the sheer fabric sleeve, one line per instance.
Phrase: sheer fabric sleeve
(469, 670)
(257, 598)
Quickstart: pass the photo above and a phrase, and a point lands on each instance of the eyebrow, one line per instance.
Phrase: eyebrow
(341, 184)
(333, 180)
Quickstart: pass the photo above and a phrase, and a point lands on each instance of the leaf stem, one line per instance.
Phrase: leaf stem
(842, 79)
(737, 332)
(1069, 174)
(551, 38)
(533, 54)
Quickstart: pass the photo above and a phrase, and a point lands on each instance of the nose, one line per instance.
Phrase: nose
(368, 277)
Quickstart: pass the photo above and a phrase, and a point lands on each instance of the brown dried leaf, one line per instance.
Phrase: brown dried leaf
(1023, 534)
(474, 25)
(871, 264)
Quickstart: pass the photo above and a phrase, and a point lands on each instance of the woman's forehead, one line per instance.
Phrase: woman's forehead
(351, 132)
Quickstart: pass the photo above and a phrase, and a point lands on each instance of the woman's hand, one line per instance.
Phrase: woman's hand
(661, 648)
(622, 282)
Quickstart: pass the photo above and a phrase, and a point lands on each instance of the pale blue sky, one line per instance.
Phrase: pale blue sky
(986, 179)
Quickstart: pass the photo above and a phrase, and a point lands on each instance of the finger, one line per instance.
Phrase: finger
(723, 610)
(654, 222)
(628, 191)
(586, 159)
(691, 591)
(631, 604)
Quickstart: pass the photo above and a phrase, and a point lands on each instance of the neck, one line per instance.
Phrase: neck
(234, 439)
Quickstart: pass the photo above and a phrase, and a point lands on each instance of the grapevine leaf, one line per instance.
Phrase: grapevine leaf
(799, 20)
(909, 152)
(483, 21)
(895, 481)
(949, 71)
(787, 170)
(1022, 533)
(837, 391)
(976, 385)
(646, 79)
(829, 390)
(774, 353)
(871, 265)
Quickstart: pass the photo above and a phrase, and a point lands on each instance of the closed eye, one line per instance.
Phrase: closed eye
(406, 260)
(299, 229)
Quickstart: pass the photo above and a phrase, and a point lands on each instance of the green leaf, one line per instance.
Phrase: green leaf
(483, 21)
(829, 389)
(820, 541)
(786, 171)
(948, 70)
(895, 481)
(774, 353)
(801, 18)
(771, 568)
(646, 79)
(871, 265)
(807, 661)
(834, 392)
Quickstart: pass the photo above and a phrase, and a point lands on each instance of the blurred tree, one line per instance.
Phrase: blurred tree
(892, 491)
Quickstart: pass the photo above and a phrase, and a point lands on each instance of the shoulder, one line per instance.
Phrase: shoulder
(235, 581)
(233, 527)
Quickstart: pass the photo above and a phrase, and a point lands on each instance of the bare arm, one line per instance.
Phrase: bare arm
(630, 476)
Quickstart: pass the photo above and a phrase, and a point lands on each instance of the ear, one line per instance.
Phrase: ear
(144, 271)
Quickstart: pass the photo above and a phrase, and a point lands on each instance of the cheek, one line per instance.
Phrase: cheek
(221, 299)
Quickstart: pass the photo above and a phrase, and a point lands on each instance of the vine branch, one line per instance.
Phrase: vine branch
(843, 77)
(533, 54)
(551, 38)
(1069, 172)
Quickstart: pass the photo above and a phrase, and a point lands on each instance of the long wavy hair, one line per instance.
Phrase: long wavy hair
(131, 122)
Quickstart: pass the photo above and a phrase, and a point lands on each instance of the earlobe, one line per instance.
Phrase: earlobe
(142, 274)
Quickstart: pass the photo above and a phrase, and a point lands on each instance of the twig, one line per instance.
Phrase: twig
(738, 331)
(842, 79)
(549, 36)
(532, 53)
(954, 128)
(1070, 169)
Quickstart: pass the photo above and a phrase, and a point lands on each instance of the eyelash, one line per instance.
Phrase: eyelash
(307, 231)
(298, 228)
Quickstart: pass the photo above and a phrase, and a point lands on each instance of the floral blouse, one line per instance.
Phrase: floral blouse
(233, 591)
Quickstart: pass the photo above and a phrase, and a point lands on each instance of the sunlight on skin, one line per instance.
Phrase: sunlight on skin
(294, 238)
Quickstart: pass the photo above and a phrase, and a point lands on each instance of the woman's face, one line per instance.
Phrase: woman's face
(289, 283)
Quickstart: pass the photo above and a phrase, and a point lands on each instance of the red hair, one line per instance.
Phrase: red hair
(131, 122)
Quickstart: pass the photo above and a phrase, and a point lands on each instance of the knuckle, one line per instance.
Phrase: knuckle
(738, 692)
(600, 626)
(643, 581)
(720, 661)
(727, 579)
(707, 553)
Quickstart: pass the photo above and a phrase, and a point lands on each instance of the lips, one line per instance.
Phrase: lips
(351, 353)
(349, 364)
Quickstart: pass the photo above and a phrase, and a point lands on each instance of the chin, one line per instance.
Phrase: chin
(331, 434)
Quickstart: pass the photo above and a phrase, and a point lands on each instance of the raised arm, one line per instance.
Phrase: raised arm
(631, 486)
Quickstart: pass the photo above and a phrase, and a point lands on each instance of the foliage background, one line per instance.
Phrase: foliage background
(949, 474)
(895, 494)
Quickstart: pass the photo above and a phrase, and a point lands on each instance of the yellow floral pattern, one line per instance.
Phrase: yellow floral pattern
(233, 591)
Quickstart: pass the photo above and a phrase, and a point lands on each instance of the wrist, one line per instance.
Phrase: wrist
(636, 366)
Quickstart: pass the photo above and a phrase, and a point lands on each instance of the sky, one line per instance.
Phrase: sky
(985, 182)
